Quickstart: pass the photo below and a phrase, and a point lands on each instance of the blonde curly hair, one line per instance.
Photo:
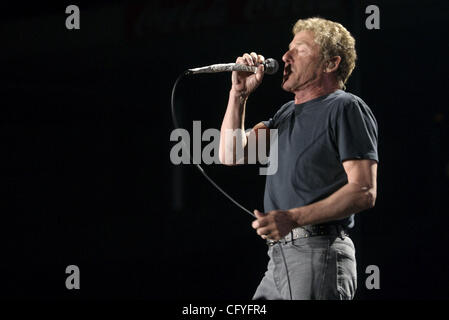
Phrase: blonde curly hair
(334, 40)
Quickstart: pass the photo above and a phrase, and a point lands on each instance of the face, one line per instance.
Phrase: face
(303, 65)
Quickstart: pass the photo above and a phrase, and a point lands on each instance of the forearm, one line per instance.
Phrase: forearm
(230, 138)
(349, 199)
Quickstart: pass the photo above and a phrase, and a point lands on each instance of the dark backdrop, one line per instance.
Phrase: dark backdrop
(85, 125)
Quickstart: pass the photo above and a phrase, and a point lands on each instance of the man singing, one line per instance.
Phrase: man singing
(327, 164)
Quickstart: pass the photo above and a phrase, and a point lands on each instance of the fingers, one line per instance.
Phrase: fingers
(258, 61)
(251, 59)
(257, 58)
(247, 82)
(268, 233)
(254, 58)
(265, 226)
(248, 59)
(263, 231)
(261, 221)
(261, 225)
(258, 214)
(260, 72)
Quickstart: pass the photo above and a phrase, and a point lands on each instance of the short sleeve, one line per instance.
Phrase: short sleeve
(356, 132)
(269, 123)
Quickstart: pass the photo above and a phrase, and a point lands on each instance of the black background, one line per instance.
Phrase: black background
(85, 125)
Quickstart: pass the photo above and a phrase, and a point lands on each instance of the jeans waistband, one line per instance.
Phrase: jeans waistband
(311, 231)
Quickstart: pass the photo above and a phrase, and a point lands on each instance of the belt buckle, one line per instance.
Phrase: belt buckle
(341, 232)
(294, 234)
(288, 237)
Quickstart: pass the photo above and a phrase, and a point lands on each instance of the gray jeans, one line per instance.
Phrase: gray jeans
(320, 268)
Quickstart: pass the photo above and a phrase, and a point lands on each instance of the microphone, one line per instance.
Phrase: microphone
(271, 66)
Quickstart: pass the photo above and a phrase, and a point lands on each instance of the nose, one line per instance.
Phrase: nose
(286, 56)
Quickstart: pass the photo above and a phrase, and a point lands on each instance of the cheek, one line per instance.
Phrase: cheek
(303, 63)
(309, 67)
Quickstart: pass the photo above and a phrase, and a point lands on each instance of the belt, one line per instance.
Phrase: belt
(311, 231)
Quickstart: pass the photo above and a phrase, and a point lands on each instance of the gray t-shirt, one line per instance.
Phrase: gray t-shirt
(314, 138)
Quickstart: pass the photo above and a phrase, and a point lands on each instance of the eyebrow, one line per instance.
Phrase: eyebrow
(296, 43)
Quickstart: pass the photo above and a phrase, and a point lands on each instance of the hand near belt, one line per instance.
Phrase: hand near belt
(273, 225)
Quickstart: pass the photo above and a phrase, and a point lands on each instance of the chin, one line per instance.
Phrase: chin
(286, 87)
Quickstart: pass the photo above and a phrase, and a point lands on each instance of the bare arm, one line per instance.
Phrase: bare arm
(234, 119)
(233, 140)
(357, 195)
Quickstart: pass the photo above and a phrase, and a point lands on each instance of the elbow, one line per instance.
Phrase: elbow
(230, 156)
(222, 155)
(371, 203)
(224, 161)
(226, 158)
(366, 197)
(370, 198)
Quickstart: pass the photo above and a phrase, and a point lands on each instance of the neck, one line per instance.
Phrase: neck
(312, 92)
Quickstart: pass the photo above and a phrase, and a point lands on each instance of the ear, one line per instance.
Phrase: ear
(332, 64)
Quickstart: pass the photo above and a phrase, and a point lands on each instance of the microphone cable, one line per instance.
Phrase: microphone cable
(176, 125)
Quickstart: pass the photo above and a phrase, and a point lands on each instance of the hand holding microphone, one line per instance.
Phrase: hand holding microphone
(247, 72)
(244, 83)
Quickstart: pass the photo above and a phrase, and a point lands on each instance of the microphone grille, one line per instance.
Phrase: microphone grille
(271, 66)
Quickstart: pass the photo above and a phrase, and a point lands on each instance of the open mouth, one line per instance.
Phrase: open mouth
(287, 71)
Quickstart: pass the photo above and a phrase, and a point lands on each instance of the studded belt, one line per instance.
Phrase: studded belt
(311, 231)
